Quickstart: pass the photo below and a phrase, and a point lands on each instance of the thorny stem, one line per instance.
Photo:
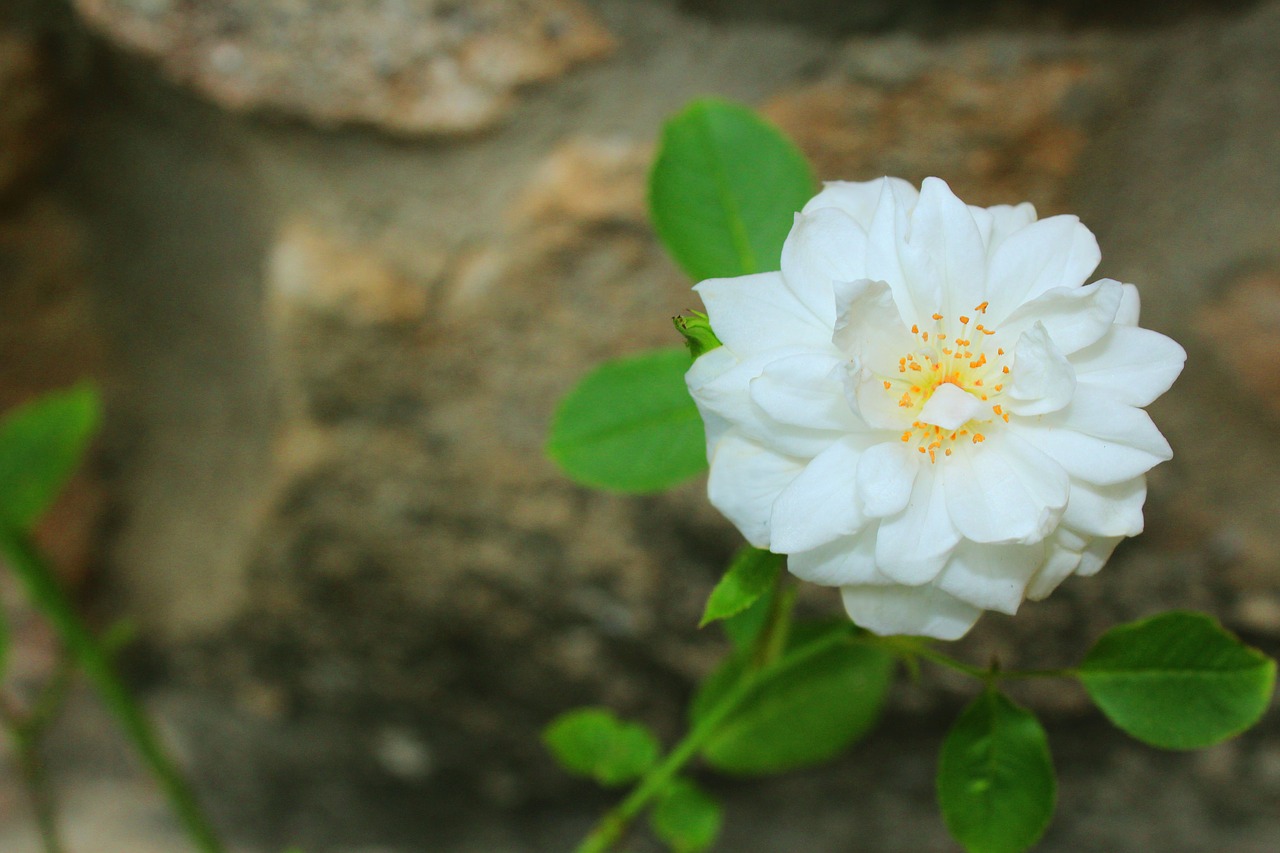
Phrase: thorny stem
(766, 653)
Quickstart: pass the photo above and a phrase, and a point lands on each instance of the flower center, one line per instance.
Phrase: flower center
(949, 382)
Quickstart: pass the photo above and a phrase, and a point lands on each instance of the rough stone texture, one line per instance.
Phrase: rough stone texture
(362, 586)
(1181, 192)
(1241, 330)
(30, 120)
(1002, 121)
(432, 66)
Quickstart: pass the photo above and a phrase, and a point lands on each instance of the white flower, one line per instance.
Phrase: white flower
(928, 407)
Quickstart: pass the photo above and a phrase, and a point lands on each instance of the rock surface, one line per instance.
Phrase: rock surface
(31, 122)
(431, 67)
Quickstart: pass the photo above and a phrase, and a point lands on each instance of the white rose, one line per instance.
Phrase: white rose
(928, 407)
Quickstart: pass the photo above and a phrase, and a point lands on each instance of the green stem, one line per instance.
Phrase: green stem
(1015, 674)
(777, 627)
(767, 663)
(25, 738)
(44, 591)
(910, 648)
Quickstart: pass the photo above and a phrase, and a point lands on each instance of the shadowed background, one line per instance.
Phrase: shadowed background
(333, 263)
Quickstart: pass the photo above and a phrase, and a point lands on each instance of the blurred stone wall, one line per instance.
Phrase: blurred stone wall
(335, 262)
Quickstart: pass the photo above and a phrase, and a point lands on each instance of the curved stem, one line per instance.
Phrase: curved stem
(25, 733)
(910, 648)
(43, 589)
(767, 662)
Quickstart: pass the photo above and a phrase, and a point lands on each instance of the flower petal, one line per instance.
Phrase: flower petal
(858, 199)
(1051, 253)
(706, 368)
(805, 390)
(1114, 510)
(886, 242)
(923, 611)
(950, 407)
(1060, 562)
(1130, 306)
(993, 577)
(728, 396)
(865, 392)
(947, 252)
(1074, 318)
(914, 545)
(1043, 379)
(1096, 555)
(745, 481)
(995, 224)
(885, 479)
(821, 504)
(1097, 439)
(868, 324)
(755, 313)
(847, 560)
(1004, 490)
(1134, 365)
(824, 247)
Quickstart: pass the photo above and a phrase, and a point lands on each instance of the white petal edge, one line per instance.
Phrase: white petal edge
(847, 560)
(1134, 365)
(1114, 510)
(1004, 491)
(885, 478)
(823, 247)
(948, 250)
(805, 390)
(745, 481)
(922, 611)
(1074, 317)
(914, 545)
(1043, 379)
(1057, 252)
(819, 505)
(858, 199)
(1097, 439)
(1060, 563)
(752, 314)
(993, 577)
(1096, 554)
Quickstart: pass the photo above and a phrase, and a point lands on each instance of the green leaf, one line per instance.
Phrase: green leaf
(743, 628)
(686, 819)
(996, 784)
(802, 713)
(696, 329)
(594, 742)
(751, 574)
(41, 445)
(630, 425)
(1178, 680)
(724, 190)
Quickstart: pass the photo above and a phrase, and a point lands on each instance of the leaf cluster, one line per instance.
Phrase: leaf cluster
(723, 193)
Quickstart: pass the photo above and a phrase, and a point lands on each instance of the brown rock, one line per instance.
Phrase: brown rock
(30, 123)
(436, 67)
(311, 271)
(1242, 329)
(1000, 120)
